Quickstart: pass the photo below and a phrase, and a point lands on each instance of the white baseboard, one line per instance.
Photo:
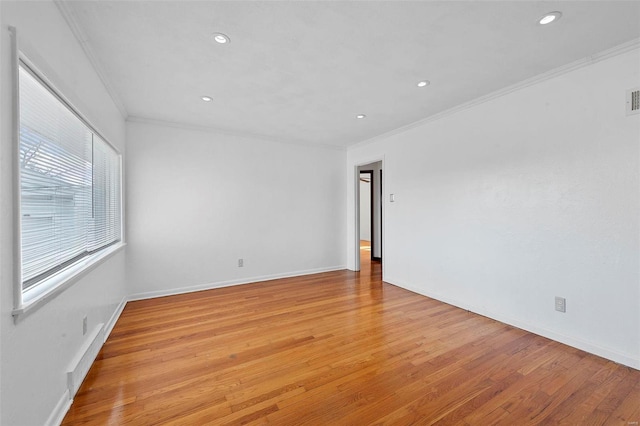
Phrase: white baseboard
(220, 284)
(114, 318)
(593, 348)
(60, 410)
(63, 405)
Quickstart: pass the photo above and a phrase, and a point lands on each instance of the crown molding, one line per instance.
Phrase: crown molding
(71, 19)
(225, 132)
(80, 35)
(556, 72)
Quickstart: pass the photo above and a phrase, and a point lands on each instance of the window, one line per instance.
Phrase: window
(69, 180)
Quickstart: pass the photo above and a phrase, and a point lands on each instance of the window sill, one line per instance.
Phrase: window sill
(56, 284)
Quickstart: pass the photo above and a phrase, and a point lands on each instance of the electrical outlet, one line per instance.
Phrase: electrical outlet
(240, 263)
(561, 304)
(84, 326)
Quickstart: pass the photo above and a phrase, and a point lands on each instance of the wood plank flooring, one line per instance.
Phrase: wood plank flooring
(340, 348)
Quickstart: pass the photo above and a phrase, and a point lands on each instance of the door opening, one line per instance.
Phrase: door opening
(369, 210)
(366, 212)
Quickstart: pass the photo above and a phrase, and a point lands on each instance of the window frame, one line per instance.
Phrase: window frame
(29, 300)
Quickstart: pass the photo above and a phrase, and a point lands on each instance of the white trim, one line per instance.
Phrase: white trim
(60, 410)
(31, 300)
(108, 328)
(63, 280)
(15, 169)
(79, 33)
(356, 218)
(591, 347)
(123, 211)
(64, 404)
(580, 63)
(229, 283)
(356, 206)
(219, 131)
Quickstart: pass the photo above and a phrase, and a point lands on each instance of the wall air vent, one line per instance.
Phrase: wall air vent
(633, 101)
(84, 359)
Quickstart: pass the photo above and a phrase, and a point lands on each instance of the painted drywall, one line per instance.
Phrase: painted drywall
(365, 210)
(199, 201)
(37, 351)
(535, 194)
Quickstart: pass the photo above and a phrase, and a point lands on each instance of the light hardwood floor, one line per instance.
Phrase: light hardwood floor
(340, 348)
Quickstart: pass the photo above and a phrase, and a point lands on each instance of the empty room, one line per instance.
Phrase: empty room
(319, 212)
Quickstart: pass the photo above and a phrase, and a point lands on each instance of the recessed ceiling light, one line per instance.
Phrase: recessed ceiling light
(423, 83)
(206, 98)
(549, 18)
(221, 38)
(360, 116)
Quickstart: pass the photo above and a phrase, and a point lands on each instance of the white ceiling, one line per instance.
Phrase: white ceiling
(301, 71)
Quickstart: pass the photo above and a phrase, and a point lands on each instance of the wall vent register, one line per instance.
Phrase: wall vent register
(633, 101)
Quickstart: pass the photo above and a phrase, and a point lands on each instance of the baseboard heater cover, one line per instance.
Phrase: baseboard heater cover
(81, 364)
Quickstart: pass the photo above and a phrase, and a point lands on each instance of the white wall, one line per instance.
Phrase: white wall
(37, 351)
(535, 194)
(365, 210)
(199, 201)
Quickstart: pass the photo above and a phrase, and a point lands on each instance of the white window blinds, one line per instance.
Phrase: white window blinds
(105, 228)
(69, 185)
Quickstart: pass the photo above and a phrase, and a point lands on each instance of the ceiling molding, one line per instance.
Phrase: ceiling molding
(580, 63)
(218, 131)
(83, 40)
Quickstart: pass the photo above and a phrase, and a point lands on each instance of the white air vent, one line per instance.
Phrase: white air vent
(633, 101)
(82, 362)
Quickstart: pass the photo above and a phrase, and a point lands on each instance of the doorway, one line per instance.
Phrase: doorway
(369, 216)
(366, 212)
